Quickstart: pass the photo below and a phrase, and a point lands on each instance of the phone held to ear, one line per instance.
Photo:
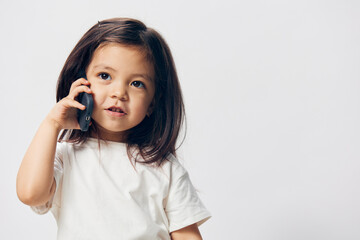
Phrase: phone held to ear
(84, 116)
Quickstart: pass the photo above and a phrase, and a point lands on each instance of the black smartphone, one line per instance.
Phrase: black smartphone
(86, 99)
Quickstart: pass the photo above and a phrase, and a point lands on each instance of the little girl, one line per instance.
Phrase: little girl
(120, 179)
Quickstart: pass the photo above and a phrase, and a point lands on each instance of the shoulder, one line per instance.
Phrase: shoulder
(61, 153)
(63, 144)
(175, 167)
(64, 149)
(174, 161)
(75, 146)
(61, 147)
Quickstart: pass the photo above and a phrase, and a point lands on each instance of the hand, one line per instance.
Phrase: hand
(64, 113)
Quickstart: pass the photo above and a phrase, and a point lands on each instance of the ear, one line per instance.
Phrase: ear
(149, 112)
(150, 108)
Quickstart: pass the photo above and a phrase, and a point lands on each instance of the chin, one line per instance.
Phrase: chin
(109, 127)
(115, 129)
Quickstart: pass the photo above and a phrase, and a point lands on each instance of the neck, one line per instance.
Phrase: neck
(108, 135)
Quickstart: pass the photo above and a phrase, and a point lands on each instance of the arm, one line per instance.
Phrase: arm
(187, 233)
(35, 182)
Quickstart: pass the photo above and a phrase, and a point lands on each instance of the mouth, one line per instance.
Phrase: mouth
(116, 109)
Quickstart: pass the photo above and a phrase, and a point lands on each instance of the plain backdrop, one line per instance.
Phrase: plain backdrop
(271, 91)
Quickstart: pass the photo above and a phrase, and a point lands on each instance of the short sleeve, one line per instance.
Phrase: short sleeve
(183, 206)
(58, 172)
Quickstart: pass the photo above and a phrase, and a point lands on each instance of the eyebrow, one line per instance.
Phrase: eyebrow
(104, 66)
(143, 75)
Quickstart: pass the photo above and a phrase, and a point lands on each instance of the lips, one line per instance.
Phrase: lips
(116, 109)
(116, 112)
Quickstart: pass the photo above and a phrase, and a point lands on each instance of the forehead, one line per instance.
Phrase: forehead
(122, 58)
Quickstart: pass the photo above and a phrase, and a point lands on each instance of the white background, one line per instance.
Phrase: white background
(271, 90)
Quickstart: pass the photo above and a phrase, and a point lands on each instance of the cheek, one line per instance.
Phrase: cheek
(142, 105)
(98, 99)
(140, 108)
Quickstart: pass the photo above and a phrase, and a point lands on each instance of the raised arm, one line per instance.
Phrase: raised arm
(35, 183)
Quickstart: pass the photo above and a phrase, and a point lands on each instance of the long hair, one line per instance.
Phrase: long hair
(156, 136)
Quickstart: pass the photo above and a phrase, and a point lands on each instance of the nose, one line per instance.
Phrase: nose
(119, 92)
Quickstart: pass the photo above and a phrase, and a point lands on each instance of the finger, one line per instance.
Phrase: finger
(74, 104)
(78, 90)
(79, 82)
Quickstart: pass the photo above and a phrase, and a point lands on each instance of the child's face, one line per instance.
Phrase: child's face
(120, 76)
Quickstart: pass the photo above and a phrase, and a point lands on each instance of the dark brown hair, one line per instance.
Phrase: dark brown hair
(156, 136)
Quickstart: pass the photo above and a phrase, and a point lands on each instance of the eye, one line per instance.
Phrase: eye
(138, 84)
(104, 76)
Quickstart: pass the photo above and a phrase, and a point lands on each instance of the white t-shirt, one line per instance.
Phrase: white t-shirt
(101, 196)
